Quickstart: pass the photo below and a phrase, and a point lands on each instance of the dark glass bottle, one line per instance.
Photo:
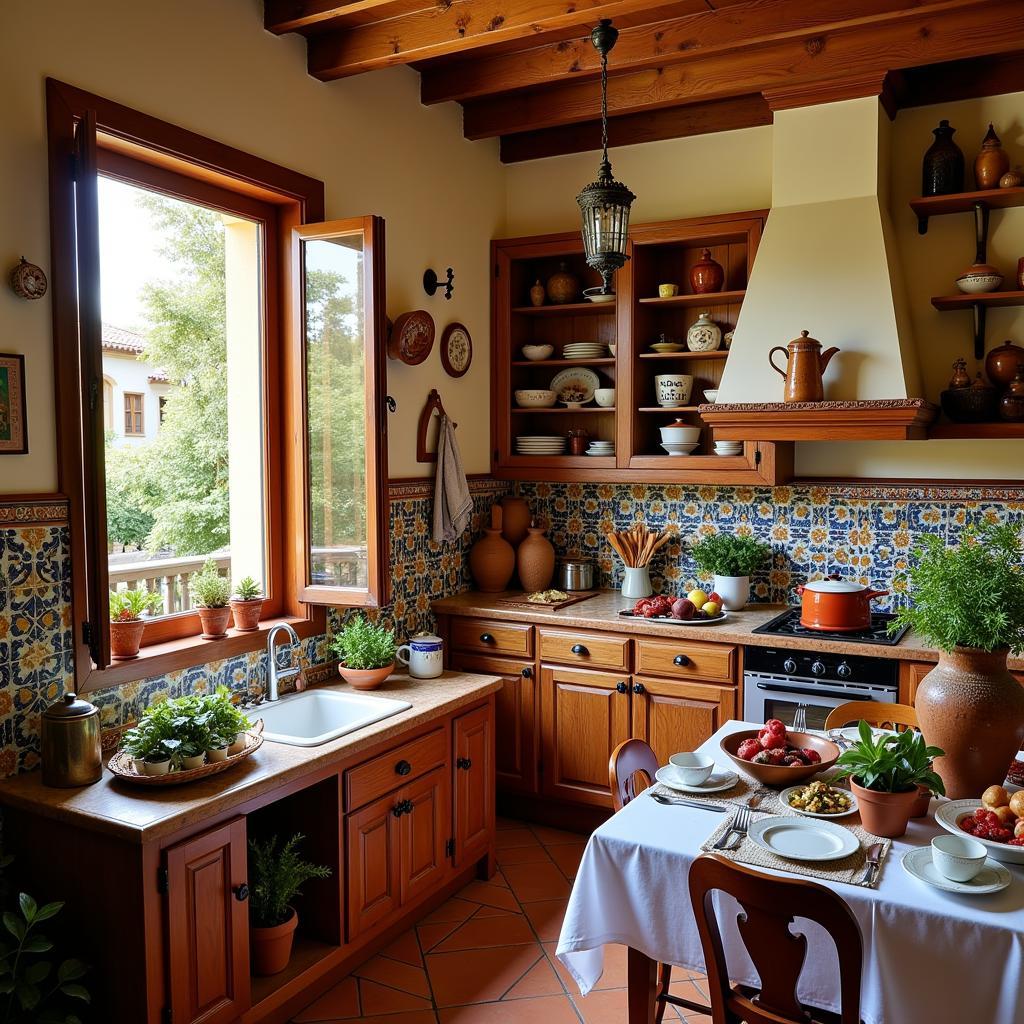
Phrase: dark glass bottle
(943, 170)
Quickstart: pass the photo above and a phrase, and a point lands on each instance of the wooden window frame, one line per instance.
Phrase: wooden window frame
(124, 140)
(129, 411)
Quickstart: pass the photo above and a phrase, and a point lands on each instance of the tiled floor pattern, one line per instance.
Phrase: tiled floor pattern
(487, 956)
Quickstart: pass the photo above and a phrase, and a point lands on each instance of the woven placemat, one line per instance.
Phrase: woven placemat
(737, 796)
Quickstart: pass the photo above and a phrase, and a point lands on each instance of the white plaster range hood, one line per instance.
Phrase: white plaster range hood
(826, 264)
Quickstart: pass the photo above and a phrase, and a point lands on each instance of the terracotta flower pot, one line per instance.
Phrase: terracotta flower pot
(922, 804)
(365, 678)
(884, 814)
(125, 639)
(973, 708)
(272, 947)
(247, 614)
(215, 622)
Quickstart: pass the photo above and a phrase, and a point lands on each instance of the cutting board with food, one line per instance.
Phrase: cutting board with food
(545, 599)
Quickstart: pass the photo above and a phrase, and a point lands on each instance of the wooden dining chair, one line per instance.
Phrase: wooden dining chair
(882, 716)
(768, 906)
(631, 770)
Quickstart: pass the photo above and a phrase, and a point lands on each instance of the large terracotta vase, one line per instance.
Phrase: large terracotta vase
(492, 559)
(973, 708)
(515, 519)
(535, 561)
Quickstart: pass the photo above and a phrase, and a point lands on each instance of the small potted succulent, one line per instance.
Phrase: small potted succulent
(276, 877)
(227, 721)
(366, 653)
(247, 604)
(210, 592)
(731, 560)
(126, 624)
(886, 773)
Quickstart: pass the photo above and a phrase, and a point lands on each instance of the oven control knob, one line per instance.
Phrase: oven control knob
(790, 665)
(818, 667)
(843, 670)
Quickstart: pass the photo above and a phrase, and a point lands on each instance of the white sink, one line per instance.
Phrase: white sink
(318, 716)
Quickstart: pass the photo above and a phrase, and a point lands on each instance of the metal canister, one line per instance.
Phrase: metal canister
(71, 750)
(574, 574)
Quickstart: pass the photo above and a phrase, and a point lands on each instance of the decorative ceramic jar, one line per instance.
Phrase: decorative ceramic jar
(537, 294)
(1011, 404)
(562, 287)
(673, 389)
(515, 519)
(706, 275)
(535, 561)
(976, 404)
(1003, 362)
(577, 444)
(979, 278)
(992, 162)
(1012, 179)
(636, 582)
(943, 170)
(704, 334)
(492, 559)
(727, 339)
(961, 378)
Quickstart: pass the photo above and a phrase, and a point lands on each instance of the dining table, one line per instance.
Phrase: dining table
(929, 956)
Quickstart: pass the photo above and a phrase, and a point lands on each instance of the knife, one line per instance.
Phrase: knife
(872, 860)
(718, 808)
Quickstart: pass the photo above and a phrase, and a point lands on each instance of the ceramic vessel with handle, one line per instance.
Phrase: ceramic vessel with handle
(805, 368)
(835, 605)
(423, 655)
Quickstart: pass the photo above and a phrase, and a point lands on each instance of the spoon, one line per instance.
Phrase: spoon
(718, 808)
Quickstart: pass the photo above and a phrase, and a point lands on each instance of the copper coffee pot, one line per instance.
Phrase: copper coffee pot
(805, 367)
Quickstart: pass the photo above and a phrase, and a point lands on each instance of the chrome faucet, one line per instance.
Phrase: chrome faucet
(280, 668)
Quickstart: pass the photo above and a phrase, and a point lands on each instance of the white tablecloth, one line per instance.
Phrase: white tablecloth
(930, 957)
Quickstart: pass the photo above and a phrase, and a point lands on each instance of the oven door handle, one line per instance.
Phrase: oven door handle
(810, 693)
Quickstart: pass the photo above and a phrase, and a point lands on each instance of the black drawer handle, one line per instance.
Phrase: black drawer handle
(580, 649)
(527, 673)
(622, 687)
(402, 807)
(680, 660)
(486, 638)
(241, 892)
(639, 688)
(403, 767)
(464, 763)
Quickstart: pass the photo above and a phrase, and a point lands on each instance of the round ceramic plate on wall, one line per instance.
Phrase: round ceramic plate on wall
(456, 350)
(411, 337)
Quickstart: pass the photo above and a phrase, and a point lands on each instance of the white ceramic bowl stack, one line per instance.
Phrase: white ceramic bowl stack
(679, 438)
(601, 448)
(727, 448)
(535, 399)
(541, 445)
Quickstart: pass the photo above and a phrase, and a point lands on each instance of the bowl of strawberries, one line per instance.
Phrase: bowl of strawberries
(777, 757)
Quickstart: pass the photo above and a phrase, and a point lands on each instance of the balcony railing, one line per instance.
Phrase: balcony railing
(165, 576)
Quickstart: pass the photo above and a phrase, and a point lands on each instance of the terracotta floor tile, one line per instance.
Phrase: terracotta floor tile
(567, 857)
(532, 882)
(479, 975)
(511, 837)
(405, 948)
(431, 934)
(491, 912)
(454, 909)
(379, 999)
(556, 836)
(395, 975)
(408, 1017)
(605, 1007)
(522, 855)
(336, 1003)
(613, 976)
(546, 918)
(491, 895)
(539, 980)
(503, 929)
(688, 990)
(498, 878)
(503, 823)
(543, 1010)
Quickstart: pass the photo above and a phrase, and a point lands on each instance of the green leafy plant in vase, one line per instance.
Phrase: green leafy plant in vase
(366, 653)
(210, 592)
(247, 604)
(967, 600)
(731, 560)
(127, 607)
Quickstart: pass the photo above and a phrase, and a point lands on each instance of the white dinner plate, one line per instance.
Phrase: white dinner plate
(784, 797)
(718, 780)
(992, 877)
(803, 838)
(949, 812)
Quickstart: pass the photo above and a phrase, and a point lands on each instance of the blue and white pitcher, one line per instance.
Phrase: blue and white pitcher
(424, 655)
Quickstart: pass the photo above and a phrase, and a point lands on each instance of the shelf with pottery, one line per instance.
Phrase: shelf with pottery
(567, 309)
(966, 301)
(718, 354)
(713, 298)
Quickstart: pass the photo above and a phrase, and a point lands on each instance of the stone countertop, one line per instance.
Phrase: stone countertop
(142, 814)
(602, 612)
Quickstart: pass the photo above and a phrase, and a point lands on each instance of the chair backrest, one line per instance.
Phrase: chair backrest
(888, 716)
(768, 907)
(631, 770)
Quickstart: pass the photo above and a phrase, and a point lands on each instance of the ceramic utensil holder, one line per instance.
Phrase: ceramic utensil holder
(636, 582)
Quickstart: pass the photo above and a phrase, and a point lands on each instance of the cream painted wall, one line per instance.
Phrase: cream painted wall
(211, 68)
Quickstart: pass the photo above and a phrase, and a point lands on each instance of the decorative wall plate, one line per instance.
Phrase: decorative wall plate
(28, 280)
(456, 350)
(411, 337)
(577, 376)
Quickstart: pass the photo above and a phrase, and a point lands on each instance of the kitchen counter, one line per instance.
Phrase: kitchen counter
(143, 814)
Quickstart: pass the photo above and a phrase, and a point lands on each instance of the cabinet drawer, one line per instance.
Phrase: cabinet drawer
(601, 650)
(686, 659)
(388, 771)
(497, 637)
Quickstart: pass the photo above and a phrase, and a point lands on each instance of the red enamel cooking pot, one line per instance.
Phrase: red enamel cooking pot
(835, 605)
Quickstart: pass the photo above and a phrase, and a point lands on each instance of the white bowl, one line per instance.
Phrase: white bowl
(711, 394)
(979, 284)
(958, 858)
(679, 449)
(693, 768)
(536, 399)
(605, 397)
(680, 435)
(537, 352)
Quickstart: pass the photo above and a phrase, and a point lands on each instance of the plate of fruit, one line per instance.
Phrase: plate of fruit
(697, 608)
(777, 757)
(996, 821)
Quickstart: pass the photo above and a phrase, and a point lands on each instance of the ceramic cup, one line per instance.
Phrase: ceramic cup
(424, 655)
(958, 858)
(668, 291)
(693, 769)
(673, 389)
(605, 397)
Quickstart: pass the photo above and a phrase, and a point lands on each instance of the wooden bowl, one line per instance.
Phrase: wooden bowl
(777, 774)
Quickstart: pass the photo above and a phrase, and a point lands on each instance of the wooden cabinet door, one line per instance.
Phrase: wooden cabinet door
(474, 783)
(585, 716)
(424, 830)
(208, 927)
(515, 720)
(674, 716)
(372, 885)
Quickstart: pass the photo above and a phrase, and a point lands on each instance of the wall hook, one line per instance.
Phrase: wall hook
(431, 283)
(390, 403)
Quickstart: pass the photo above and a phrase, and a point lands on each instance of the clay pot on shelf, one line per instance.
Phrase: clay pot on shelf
(535, 561)
(976, 404)
(884, 814)
(972, 707)
(272, 947)
(706, 275)
(537, 294)
(215, 622)
(515, 519)
(1011, 404)
(1003, 362)
(492, 559)
(943, 170)
(563, 287)
(979, 278)
(992, 162)
(125, 639)
(704, 334)
(961, 378)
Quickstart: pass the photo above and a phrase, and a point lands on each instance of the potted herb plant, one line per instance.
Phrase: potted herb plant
(210, 592)
(153, 743)
(126, 610)
(226, 721)
(885, 773)
(276, 877)
(968, 601)
(366, 651)
(247, 604)
(731, 560)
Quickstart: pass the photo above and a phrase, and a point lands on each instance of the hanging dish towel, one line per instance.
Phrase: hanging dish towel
(453, 506)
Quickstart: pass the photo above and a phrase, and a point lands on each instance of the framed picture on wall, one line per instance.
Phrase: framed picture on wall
(13, 423)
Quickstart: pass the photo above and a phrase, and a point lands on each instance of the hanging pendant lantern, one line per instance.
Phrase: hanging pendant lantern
(604, 203)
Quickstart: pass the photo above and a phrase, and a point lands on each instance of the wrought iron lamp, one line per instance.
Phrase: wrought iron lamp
(604, 204)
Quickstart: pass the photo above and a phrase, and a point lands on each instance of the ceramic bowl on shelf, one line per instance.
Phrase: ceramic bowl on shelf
(668, 291)
(538, 352)
(680, 432)
(598, 295)
(711, 394)
(979, 278)
(673, 389)
(678, 448)
(605, 397)
(536, 399)
(668, 346)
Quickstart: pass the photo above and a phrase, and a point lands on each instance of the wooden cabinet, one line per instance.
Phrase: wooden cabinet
(372, 883)
(472, 739)
(577, 647)
(686, 659)
(486, 637)
(674, 716)
(208, 926)
(424, 834)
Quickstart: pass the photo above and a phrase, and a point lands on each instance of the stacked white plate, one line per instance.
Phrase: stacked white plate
(584, 350)
(540, 445)
(728, 447)
(601, 448)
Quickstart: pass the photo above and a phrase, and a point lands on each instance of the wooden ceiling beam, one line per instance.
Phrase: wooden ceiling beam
(309, 16)
(956, 32)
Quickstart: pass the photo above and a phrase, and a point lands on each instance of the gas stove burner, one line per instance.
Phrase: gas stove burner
(788, 624)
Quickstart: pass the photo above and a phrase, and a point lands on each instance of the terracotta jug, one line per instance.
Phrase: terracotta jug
(706, 275)
(535, 561)
(562, 286)
(991, 163)
(492, 560)
(515, 519)
(805, 367)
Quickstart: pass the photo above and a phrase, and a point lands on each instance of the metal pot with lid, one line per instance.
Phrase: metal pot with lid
(835, 605)
(71, 750)
(574, 574)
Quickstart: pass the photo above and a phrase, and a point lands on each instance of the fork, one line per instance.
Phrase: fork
(737, 827)
(800, 718)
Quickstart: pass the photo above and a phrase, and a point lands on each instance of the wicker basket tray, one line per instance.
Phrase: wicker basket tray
(121, 764)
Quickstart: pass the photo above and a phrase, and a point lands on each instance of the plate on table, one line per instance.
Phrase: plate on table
(803, 838)
(949, 815)
(720, 779)
(852, 733)
(786, 793)
(576, 377)
(721, 617)
(992, 877)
